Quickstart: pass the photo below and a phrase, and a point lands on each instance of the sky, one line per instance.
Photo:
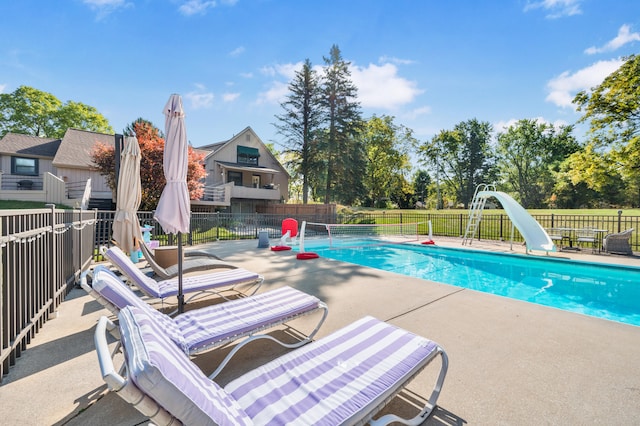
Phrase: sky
(430, 64)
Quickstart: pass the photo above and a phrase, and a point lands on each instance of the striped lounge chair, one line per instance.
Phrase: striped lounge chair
(211, 282)
(214, 326)
(344, 378)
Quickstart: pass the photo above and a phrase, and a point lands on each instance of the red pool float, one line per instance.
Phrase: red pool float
(307, 255)
(280, 248)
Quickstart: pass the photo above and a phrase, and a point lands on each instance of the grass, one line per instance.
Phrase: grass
(25, 205)
(589, 212)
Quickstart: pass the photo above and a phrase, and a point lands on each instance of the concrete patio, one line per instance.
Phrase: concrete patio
(511, 362)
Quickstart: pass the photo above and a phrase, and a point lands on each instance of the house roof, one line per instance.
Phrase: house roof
(246, 168)
(28, 145)
(77, 146)
(215, 147)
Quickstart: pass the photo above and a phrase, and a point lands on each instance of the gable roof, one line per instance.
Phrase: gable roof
(28, 145)
(215, 147)
(77, 146)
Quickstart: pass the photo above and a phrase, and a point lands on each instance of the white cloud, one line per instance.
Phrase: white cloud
(195, 7)
(556, 8)
(200, 98)
(382, 87)
(246, 74)
(2, 87)
(417, 112)
(379, 86)
(275, 94)
(392, 59)
(230, 97)
(105, 7)
(237, 51)
(563, 88)
(624, 36)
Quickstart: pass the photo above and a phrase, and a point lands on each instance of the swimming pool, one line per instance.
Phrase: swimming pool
(600, 290)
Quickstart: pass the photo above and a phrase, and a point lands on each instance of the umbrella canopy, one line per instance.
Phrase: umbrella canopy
(125, 223)
(173, 211)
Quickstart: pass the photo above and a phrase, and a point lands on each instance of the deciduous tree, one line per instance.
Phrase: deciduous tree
(151, 160)
(34, 112)
(387, 146)
(530, 152)
(462, 158)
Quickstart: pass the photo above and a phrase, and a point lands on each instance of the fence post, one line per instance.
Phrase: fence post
(552, 220)
(619, 221)
(53, 262)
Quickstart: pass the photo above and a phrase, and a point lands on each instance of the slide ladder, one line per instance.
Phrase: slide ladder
(475, 212)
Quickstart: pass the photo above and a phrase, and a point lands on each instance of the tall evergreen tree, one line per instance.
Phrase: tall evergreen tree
(344, 154)
(300, 123)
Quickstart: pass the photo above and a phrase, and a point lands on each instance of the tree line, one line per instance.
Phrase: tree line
(336, 155)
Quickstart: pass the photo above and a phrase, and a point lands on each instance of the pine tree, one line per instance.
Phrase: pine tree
(344, 154)
(300, 124)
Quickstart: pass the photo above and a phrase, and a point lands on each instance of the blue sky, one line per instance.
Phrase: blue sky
(430, 64)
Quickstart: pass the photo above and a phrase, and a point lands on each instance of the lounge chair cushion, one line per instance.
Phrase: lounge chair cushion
(340, 379)
(190, 284)
(167, 375)
(196, 330)
(210, 326)
(115, 291)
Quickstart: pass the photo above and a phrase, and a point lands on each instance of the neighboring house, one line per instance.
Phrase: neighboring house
(244, 172)
(51, 170)
(243, 175)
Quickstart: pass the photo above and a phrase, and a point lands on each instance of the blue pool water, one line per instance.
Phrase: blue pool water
(600, 290)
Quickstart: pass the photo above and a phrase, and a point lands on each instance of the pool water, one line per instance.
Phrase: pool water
(600, 290)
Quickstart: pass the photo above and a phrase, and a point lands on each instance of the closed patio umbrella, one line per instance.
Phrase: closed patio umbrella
(126, 227)
(173, 211)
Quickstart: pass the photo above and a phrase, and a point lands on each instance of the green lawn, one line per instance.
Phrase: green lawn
(591, 212)
(21, 205)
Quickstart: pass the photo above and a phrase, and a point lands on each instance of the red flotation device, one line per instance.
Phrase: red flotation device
(280, 248)
(429, 242)
(307, 255)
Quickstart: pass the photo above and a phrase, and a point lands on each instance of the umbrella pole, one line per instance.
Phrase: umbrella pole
(180, 294)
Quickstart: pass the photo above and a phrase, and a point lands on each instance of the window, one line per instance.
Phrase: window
(235, 177)
(247, 155)
(24, 166)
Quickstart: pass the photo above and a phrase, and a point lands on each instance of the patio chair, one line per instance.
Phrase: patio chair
(194, 261)
(211, 282)
(618, 243)
(586, 236)
(214, 326)
(556, 235)
(345, 378)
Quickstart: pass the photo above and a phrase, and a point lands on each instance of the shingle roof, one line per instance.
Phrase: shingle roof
(34, 146)
(77, 146)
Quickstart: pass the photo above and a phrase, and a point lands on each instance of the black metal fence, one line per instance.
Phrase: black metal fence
(209, 227)
(43, 252)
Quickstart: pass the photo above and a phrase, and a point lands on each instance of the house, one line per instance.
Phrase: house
(52, 170)
(243, 174)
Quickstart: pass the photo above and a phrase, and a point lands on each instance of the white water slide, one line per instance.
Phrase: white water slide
(533, 233)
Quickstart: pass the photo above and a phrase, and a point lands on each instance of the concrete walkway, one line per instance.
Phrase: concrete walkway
(511, 362)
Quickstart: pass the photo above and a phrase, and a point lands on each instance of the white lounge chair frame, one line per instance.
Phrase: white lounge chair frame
(322, 354)
(242, 332)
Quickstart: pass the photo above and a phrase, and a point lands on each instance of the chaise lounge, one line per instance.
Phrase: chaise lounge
(214, 326)
(213, 282)
(193, 261)
(344, 378)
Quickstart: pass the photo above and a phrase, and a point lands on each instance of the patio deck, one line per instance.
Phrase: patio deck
(511, 362)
